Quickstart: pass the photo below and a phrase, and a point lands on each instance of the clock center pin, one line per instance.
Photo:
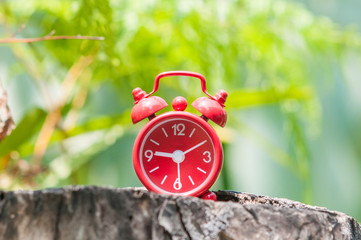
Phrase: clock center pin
(178, 156)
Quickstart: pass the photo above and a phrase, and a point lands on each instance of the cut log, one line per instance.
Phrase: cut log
(134, 213)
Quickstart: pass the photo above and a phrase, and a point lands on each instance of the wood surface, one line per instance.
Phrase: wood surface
(134, 213)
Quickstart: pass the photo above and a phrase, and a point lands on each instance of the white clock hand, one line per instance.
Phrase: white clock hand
(177, 184)
(198, 145)
(178, 170)
(163, 154)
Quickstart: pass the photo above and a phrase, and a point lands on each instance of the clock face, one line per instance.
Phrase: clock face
(178, 153)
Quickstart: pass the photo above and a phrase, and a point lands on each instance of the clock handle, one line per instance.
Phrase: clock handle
(180, 73)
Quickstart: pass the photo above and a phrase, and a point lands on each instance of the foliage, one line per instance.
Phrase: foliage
(74, 96)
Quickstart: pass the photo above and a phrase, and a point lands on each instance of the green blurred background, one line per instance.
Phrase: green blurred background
(291, 68)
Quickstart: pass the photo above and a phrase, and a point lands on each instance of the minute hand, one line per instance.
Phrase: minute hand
(192, 148)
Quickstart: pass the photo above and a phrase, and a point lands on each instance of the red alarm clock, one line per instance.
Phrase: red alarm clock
(178, 152)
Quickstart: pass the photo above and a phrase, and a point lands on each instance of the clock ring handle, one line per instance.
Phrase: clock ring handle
(180, 73)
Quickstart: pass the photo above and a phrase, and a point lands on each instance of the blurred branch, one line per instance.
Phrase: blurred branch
(299, 165)
(277, 154)
(6, 121)
(22, 26)
(54, 115)
(78, 101)
(302, 154)
(30, 65)
(47, 38)
(251, 97)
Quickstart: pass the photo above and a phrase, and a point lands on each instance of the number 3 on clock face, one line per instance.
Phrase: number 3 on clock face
(178, 153)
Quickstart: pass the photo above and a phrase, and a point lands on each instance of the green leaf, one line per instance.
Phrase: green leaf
(99, 123)
(25, 130)
(246, 98)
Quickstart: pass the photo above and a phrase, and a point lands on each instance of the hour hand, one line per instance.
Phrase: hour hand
(163, 154)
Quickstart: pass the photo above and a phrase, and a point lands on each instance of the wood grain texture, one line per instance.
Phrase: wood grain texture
(134, 213)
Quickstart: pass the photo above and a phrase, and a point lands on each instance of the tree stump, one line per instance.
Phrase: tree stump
(134, 213)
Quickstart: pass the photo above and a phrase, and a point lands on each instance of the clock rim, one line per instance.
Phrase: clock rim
(218, 153)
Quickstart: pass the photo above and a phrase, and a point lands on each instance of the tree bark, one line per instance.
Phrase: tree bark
(6, 121)
(134, 213)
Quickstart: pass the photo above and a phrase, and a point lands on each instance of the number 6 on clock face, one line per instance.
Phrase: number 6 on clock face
(178, 153)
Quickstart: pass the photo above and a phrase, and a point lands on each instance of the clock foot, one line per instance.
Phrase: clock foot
(209, 196)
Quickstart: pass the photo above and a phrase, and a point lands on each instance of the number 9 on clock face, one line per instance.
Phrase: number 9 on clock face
(178, 153)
